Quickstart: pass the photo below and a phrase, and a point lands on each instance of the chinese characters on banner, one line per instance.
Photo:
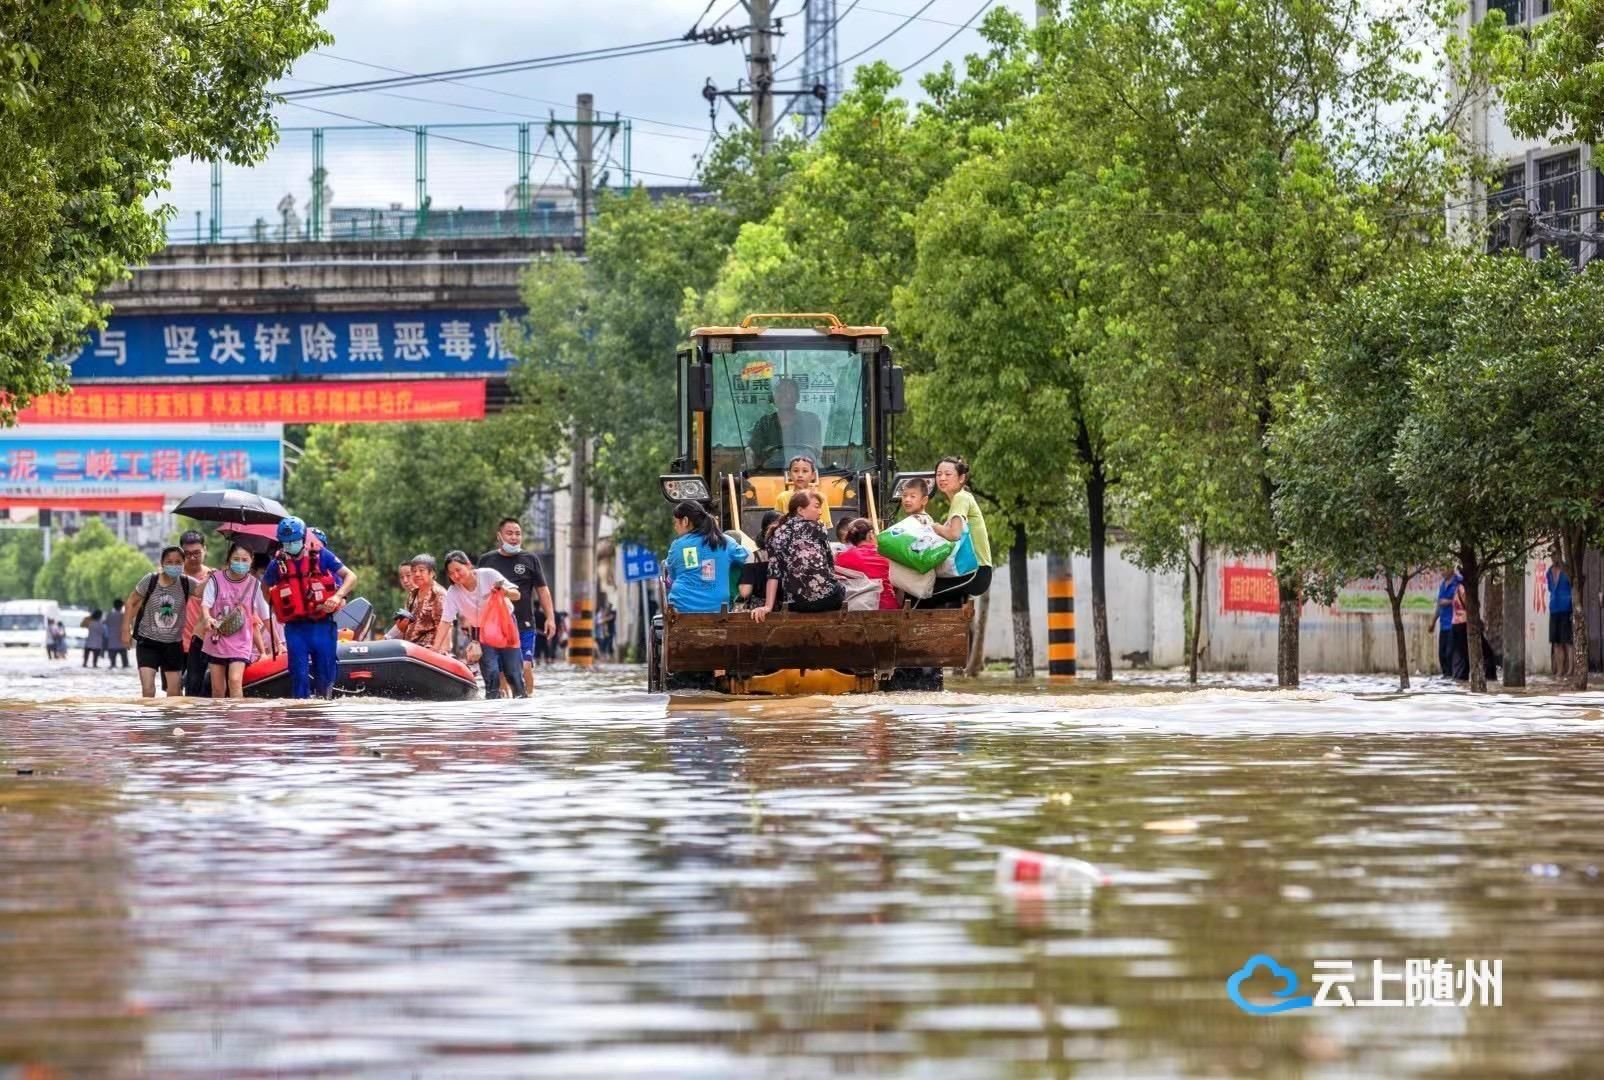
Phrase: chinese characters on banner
(60, 465)
(1249, 589)
(294, 345)
(342, 402)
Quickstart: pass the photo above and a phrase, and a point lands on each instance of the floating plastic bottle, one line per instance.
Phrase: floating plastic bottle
(1017, 866)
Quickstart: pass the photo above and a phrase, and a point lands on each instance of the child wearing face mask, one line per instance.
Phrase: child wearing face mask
(233, 610)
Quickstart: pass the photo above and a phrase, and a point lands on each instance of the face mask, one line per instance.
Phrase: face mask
(294, 547)
(240, 567)
(171, 571)
(510, 549)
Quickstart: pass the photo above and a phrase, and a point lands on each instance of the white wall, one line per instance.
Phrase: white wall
(1146, 616)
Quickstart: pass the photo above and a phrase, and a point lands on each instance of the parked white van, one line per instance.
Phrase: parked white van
(22, 622)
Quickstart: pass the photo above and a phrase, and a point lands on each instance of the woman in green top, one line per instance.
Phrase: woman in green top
(952, 473)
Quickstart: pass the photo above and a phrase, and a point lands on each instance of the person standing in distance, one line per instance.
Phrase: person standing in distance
(304, 591)
(522, 568)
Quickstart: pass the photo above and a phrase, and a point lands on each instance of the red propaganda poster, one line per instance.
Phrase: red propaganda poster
(330, 402)
(1249, 589)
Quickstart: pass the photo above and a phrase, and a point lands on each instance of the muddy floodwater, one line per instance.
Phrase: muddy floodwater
(603, 883)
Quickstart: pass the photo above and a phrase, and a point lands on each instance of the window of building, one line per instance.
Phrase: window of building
(1514, 10)
(1559, 190)
(1510, 190)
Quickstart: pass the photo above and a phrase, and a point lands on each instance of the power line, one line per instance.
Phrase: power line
(493, 90)
(899, 28)
(457, 138)
(827, 30)
(614, 52)
(948, 39)
(921, 18)
(487, 109)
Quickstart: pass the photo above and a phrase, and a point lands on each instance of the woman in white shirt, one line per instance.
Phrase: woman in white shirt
(465, 602)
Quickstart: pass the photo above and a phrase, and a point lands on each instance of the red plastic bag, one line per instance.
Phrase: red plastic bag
(498, 629)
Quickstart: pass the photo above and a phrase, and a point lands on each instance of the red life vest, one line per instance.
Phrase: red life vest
(301, 589)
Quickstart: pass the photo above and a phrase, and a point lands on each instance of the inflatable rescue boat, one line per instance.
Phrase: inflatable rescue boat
(387, 669)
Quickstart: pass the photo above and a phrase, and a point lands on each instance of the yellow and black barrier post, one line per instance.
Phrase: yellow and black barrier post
(1060, 617)
(582, 635)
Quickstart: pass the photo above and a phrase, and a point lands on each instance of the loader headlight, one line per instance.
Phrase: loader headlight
(683, 488)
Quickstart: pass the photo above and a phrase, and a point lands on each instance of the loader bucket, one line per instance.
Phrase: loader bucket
(858, 642)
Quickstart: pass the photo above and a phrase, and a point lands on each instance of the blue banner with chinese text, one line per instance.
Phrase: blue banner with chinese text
(304, 345)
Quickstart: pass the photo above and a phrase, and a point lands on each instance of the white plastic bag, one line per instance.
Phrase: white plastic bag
(911, 582)
(863, 592)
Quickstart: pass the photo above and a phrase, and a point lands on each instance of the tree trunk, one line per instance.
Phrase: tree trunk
(1096, 499)
(1515, 622)
(1395, 595)
(1470, 570)
(1199, 583)
(977, 647)
(1019, 586)
(1286, 638)
(1573, 550)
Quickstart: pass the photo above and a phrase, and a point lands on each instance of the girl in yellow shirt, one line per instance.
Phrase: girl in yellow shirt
(802, 476)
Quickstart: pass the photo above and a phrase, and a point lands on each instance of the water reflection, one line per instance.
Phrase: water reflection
(594, 883)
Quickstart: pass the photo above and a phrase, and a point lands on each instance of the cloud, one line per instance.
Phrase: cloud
(1286, 994)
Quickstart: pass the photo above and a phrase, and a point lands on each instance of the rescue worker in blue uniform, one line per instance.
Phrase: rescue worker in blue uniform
(306, 585)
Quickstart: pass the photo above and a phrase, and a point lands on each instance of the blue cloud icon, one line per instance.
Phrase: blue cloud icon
(1289, 978)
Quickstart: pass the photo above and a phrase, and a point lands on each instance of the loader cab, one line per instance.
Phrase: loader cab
(752, 398)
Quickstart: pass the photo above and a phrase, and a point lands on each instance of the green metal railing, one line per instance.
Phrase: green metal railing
(350, 183)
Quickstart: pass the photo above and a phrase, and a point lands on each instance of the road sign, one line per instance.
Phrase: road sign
(640, 564)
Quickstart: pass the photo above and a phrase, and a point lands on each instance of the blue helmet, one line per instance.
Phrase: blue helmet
(291, 529)
(322, 537)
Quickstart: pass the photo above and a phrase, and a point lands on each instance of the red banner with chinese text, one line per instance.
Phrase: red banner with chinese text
(1249, 588)
(333, 402)
(147, 504)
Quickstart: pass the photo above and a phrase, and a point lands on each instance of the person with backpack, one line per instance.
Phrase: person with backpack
(233, 611)
(155, 624)
(305, 587)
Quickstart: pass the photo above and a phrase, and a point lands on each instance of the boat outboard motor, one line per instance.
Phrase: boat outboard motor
(357, 617)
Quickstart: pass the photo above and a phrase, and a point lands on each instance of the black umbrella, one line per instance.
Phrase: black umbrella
(244, 507)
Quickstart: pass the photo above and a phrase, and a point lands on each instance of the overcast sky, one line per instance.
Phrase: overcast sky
(661, 93)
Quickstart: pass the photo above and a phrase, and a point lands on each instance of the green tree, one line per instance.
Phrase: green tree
(97, 99)
(603, 331)
(1339, 502)
(21, 557)
(994, 309)
(1256, 159)
(1482, 415)
(1553, 87)
(96, 578)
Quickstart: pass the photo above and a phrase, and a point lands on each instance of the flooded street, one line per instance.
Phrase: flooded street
(599, 883)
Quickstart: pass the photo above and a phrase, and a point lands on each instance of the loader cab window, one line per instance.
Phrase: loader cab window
(773, 405)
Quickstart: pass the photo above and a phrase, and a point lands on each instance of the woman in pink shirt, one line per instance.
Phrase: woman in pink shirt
(861, 556)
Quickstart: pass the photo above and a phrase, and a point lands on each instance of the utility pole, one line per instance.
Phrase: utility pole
(760, 70)
(581, 553)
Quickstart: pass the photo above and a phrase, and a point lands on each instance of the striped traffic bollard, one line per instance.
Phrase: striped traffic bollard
(582, 636)
(1060, 617)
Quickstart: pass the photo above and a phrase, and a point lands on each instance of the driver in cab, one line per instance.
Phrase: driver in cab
(785, 433)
